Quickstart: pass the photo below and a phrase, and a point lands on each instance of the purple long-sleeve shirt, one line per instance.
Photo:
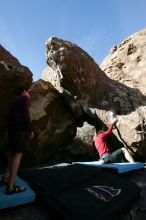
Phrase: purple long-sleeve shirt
(19, 118)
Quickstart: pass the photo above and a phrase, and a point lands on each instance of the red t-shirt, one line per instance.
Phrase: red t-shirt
(101, 143)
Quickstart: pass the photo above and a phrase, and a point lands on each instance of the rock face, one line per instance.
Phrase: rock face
(12, 75)
(126, 63)
(54, 125)
(72, 69)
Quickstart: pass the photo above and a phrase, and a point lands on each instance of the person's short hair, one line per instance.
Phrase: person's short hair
(21, 89)
(100, 131)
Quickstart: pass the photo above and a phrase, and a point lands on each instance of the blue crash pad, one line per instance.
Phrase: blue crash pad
(16, 199)
(120, 167)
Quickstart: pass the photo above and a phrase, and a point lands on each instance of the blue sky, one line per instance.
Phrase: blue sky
(94, 25)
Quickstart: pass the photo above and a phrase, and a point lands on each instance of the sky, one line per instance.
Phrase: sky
(94, 25)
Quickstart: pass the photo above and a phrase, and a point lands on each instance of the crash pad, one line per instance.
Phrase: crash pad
(120, 167)
(7, 201)
(82, 192)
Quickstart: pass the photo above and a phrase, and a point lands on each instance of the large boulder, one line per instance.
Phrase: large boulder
(81, 148)
(72, 69)
(126, 64)
(54, 125)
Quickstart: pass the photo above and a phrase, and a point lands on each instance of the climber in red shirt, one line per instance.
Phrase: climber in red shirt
(100, 141)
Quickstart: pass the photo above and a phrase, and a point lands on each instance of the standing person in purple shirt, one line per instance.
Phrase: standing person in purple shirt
(20, 132)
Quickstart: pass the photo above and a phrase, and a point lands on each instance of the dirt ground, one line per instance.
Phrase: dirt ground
(28, 212)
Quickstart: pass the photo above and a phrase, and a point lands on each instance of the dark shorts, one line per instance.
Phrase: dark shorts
(19, 141)
(115, 157)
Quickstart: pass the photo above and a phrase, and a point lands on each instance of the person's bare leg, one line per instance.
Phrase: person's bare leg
(128, 156)
(14, 169)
